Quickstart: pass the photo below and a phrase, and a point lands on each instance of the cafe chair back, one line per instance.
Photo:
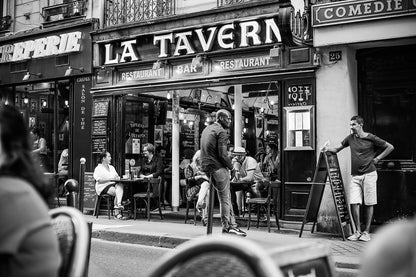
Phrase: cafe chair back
(109, 199)
(154, 187)
(74, 240)
(213, 256)
(268, 202)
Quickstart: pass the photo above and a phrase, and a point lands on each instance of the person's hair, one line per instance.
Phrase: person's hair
(102, 155)
(188, 153)
(17, 150)
(150, 148)
(35, 131)
(221, 114)
(272, 145)
(196, 156)
(159, 149)
(358, 118)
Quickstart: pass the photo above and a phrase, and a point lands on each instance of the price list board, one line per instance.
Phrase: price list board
(99, 124)
(327, 169)
(89, 191)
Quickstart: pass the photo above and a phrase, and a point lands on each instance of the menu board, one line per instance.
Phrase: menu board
(100, 107)
(99, 126)
(89, 191)
(327, 169)
(98, 144)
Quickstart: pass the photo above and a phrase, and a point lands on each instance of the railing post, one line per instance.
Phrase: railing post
(71, 186)
(81, 184)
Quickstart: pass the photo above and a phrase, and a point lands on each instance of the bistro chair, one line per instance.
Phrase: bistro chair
(267, 202)
(190, 201)
(213, 256)
(74, 241)
(154, 187)
(109, 198)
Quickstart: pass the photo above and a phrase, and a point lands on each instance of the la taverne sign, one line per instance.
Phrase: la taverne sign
(200, 40)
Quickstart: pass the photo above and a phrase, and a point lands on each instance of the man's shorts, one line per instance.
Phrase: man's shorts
(364, 185)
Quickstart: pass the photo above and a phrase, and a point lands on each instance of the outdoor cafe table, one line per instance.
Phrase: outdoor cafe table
(135, 182)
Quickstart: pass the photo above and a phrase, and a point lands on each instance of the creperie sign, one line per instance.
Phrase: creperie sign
(225, 36)
(41, 47)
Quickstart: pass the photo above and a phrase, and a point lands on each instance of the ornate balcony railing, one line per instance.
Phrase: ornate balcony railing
(126, 11)
(5, 22)
(65, 10)
(222, 3)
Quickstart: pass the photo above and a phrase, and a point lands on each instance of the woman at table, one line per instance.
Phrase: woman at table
(40, 150)
(103, 174)
(270, 163)
(153, 165)
(28, 244)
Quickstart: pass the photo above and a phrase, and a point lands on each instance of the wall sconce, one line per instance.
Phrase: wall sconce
(44, 103)
(168, 95)
(70, 69)
(28, 74)
(197, 60)
(317, 57)
(157, 65)
(26, 100)
(275, 52)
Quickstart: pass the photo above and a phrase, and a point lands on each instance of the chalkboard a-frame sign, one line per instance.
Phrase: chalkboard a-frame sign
(327, 167)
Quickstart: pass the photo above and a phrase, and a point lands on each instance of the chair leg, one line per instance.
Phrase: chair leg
(268, 217)
(187, 210)
(97, 205)
(160, 209)
(108, 206)
(194, 201)
(249, 215)
(277, 218)
(134, 208)
(258, 215)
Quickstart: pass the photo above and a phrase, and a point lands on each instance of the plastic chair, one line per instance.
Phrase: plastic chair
(74, 240)
(213, 256)
(154, 187)
(109, 198)
(267, 202)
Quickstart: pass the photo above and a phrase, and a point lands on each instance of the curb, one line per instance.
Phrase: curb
(142, 239)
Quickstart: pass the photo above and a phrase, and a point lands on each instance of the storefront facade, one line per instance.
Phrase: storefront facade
(367, 67)
(46, 74)
(161, 82)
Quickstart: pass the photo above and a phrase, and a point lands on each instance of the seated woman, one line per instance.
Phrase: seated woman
(270, 163)
(103, 173)
(153, 165)
(198, 183)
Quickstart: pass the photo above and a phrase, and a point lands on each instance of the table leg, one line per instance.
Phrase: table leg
(210, 205)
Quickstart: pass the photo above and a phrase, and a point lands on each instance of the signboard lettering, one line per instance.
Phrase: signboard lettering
(41, 47)
(234, 64)
(187, 69)
(144, 74)
(353, 11)
(299, 95)
(99, 144)
(89, 191)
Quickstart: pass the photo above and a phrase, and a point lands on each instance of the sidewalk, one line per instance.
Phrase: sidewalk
(172, 231)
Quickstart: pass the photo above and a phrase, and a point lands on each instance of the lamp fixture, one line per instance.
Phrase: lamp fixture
(168, 95)
(157, 65)
(70, 69)
(44, 103)
(26, 100)
(275, 52)
(28, 74)
(197, 60)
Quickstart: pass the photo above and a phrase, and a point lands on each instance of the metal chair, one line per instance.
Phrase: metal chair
(110, 200)
(213, 256)
(74, 241)
(154, 187)
(267, 202)
(190, 202)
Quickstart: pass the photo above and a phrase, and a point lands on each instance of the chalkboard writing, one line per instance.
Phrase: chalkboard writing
(100, 108)
(99, 126)
(89, 191)
(327, 169)
(98, 144)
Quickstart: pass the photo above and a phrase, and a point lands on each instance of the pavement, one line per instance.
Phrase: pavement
(172, 231)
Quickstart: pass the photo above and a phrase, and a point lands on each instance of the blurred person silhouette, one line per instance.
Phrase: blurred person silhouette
(40, 148)
(392, 252)
(271, 161)
(28, 244)
(104, 172)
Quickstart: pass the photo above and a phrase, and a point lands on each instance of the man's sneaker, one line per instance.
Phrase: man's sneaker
(234, 231)
(365, 237)
(354, 236)
(118, 207)
(200, 206)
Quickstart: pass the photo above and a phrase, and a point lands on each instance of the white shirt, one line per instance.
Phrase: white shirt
(102, 173)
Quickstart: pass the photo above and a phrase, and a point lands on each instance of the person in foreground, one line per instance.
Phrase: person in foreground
(28, 244)
(364, 156)
(215, 162)
(104, 172)
(392, 252)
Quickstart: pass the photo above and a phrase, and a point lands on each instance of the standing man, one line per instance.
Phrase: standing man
(215, 161)
(364, 149)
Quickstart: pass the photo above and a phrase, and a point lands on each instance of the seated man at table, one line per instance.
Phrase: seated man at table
(246, 169)
(104, 172)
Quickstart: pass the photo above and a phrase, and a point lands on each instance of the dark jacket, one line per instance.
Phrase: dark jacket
(214, 155)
